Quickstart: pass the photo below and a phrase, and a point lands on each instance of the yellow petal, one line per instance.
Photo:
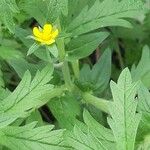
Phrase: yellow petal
(55, 33)
(47, 29)
(49, 42)
(37, 32)
(44, 41)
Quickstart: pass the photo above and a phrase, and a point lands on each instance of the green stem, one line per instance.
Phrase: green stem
(48, 56)
(66, 74)
(75, 66)
(99, 103)
(65, 67)
(62, 54)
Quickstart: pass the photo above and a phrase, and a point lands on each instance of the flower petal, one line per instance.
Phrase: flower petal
(37, 32)
(49, 42)
(47, 29)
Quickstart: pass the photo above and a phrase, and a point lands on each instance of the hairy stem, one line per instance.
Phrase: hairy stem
(99, 103)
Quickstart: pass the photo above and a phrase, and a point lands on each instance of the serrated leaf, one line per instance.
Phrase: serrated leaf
(125, 120)
(90, 136)
(31, 137)
(105, 13)
(84, 45)
(29, 95)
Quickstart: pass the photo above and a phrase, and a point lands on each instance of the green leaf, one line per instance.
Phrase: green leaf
(84, 45)
(91, 136)
(105, 13)
(33, 48)
(35, 116)
(31, 137)
(144, 102)
(125, 120)
(65, 109)
(7, 8)
(53, 50)
(1, 79)
(142, 71)
(20, 65)
(29, 95)
(99, 131)
(45, 10)
(8, 53)
(98, 77)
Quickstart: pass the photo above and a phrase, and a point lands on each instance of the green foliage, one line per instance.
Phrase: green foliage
(84, 45)
(34, 93)
(67, 83)
(142, 71)
(7, 9)
(65, 109)
(125, 120)
(98, 77)
(90, 136)
(30, 137)
(106, 13)
(45, 10)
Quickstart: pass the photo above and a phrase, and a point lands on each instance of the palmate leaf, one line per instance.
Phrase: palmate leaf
(29, 95)
(91, 135)
(105, 13)
(7, 8)
(29, 137)
(125, 120)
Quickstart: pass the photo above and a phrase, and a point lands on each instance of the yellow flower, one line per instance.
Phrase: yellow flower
(47, 35)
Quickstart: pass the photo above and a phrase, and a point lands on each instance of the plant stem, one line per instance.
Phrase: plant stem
(62, 54)
(99, 103)
(75, 67)
(65, 67)
(48, 56)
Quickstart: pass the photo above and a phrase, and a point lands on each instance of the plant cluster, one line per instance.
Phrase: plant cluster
(74, 75)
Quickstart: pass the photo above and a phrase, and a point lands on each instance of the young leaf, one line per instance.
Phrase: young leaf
(84, 45)
(29, 95)
(125, 120)
(98, 77)
(31, 137)
(105, 13)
